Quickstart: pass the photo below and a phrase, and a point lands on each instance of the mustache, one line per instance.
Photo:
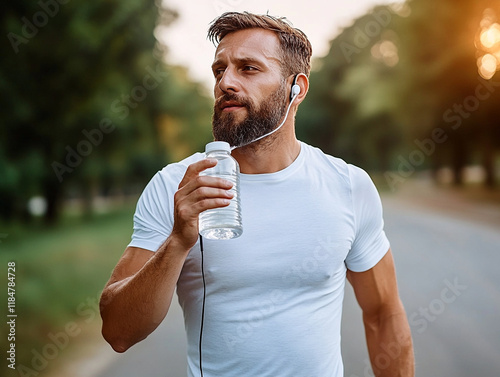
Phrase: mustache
(231, 97)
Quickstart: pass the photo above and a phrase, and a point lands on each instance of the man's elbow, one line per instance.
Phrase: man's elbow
(118, 347)
(111, 334)
(122, 332)
(116, 342)
(114, 334)
(120, 336)
(116, 339)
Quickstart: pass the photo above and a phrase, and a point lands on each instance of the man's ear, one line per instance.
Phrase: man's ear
(303, 82)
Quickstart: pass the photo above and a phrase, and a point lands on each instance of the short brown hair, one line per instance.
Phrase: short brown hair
(296, 50)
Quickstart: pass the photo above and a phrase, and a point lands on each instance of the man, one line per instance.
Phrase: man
(274, 295)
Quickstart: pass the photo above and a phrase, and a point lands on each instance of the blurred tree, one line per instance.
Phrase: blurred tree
(82, 89)
(442, 38)
(352, 106)
(402, 81)
(316, 120)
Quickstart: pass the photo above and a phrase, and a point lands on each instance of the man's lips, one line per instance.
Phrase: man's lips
(231, 106)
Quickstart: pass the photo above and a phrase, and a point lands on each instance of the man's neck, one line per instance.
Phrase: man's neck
(276, 156)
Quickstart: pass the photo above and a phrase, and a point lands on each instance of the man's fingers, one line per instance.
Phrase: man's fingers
(202, 198)
(195, 169)
(196, 194)
(189, 207)
(210, 203)
(209, 192)
(204, 183)
(192, 179)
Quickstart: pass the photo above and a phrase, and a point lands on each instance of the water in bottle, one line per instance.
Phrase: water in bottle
(225, 222)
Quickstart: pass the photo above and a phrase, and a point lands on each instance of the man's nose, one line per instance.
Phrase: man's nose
(229, 81)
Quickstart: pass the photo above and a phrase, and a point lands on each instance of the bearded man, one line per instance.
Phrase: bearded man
(310, 222)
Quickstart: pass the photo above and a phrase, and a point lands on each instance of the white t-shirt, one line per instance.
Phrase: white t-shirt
(274, 295)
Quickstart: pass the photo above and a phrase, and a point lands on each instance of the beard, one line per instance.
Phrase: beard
(258, 121)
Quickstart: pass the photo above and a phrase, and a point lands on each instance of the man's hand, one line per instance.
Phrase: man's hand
(196, 194)
(127, 316)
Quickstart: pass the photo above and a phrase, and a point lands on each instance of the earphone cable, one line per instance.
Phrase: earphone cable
(273, 131)
(294, 95)
(202, 307)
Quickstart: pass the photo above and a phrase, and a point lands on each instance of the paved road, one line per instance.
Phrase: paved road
(162, 354)
(449, 282)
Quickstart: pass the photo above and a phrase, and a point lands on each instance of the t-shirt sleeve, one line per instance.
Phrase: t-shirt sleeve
(153, 221)
(370, 243)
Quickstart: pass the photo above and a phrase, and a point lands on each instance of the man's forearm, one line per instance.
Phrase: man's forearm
(133, 307)
(390, 345)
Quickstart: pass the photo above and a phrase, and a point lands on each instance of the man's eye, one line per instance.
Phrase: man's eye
(249, 68)
(218, 72)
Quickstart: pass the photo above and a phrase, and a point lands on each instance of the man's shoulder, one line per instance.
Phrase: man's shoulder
(331, 163)
(353, 176)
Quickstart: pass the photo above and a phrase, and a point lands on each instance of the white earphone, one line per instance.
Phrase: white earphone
(294, 92)
(295, 89)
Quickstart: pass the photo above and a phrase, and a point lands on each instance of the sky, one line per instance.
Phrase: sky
(186, 37)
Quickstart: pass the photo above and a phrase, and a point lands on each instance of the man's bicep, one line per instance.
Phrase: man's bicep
(376, 289)
(132, 260)
(370, 243)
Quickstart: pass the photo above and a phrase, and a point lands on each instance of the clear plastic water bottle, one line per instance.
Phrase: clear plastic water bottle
(222, 223)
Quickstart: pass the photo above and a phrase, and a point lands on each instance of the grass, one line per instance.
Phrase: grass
(60, 273)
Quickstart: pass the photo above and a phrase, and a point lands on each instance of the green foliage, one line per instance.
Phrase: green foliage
(58, 271)
(443, 38)
(77, 69)
(398, 74)
(354, 96)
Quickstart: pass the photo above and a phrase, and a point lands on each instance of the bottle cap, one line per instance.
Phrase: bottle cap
(217, 146)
